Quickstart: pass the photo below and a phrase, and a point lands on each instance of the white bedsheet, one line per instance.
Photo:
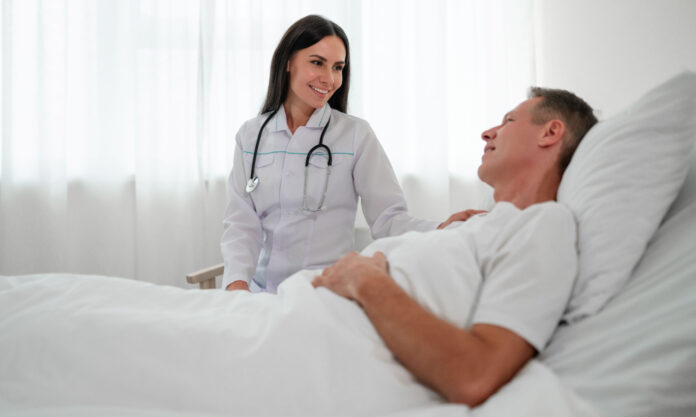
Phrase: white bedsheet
(88, 345)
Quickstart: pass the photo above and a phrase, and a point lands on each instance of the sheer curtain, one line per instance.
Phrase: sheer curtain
(118, 117)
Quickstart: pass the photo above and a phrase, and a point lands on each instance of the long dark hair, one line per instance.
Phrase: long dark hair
(303, 34)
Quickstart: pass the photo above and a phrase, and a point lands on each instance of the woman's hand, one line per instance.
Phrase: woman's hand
(460, 217)
(237, 285)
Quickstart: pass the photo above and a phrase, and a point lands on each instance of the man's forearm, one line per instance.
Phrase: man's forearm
(433, 350)
(464, 366)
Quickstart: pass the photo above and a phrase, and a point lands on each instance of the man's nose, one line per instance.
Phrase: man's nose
(488, 134)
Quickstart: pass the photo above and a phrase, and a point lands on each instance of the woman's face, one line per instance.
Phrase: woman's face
(316, 73)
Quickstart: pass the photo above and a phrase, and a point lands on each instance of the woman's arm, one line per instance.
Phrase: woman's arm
(242, 236)
(382, 198)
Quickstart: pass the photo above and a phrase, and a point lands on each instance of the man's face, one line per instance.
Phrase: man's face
(511, 145)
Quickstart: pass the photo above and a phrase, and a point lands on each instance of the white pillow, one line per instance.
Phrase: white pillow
(620, 183)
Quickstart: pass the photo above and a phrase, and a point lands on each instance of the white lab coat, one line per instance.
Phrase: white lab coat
(266, 237)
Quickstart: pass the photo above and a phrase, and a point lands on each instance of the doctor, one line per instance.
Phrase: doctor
(301, 165)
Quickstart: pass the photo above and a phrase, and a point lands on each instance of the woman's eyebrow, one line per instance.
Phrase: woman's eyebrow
(324, 59)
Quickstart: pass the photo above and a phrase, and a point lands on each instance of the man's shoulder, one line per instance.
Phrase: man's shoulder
(549, 218)
(549, 210)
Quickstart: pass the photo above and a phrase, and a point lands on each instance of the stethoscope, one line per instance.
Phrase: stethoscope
(254, 180)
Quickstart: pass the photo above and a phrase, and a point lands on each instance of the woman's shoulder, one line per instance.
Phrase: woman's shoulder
(360, 128)
(255, 122)
(250, 128)
(349, 119)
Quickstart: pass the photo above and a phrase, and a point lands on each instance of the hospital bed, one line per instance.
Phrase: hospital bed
(73, 345)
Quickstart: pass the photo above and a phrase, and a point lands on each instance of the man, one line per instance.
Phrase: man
(524, 159)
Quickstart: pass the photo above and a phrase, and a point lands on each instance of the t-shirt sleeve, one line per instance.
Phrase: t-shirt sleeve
(529, 269)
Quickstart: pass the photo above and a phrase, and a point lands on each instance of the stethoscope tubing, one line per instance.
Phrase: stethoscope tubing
(320, 145)
(253, 180)
(258, 141)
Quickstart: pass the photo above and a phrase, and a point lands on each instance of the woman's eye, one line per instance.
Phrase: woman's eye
(338, 68)
(316, 62)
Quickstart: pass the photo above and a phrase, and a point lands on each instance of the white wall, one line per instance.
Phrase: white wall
(612, 51)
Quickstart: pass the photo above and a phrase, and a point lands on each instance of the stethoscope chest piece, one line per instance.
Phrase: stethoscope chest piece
(251, 184)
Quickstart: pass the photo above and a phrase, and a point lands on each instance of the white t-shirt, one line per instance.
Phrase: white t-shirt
(512, 268)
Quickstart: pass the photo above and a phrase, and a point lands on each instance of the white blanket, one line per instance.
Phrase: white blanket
(88, 345)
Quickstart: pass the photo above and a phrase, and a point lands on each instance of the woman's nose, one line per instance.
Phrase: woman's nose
(327, 76)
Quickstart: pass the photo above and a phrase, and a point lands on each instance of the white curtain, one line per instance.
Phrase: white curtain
(118, 117)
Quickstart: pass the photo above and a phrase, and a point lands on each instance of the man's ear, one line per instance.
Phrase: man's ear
(553, 133)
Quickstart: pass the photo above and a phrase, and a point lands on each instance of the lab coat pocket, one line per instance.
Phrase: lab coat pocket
(318, 180)
(268, 180)
(262, 160)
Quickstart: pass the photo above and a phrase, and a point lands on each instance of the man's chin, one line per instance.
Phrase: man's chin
(482, 175)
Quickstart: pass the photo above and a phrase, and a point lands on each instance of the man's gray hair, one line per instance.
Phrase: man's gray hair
(573, 111)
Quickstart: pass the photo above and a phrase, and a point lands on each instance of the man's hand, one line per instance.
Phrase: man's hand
(237, 285)
(344, 277)
(460, 217)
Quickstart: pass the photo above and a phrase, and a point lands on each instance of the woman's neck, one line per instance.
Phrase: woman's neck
(297, 115)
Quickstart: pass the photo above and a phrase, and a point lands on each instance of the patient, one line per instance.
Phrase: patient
(522, 253)
(461, 309)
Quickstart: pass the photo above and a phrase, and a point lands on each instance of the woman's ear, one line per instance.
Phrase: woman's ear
(553, 133)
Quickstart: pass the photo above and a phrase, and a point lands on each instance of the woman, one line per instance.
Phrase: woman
(301, 165)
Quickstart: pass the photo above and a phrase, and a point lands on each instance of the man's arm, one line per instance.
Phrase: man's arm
(464, 366)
